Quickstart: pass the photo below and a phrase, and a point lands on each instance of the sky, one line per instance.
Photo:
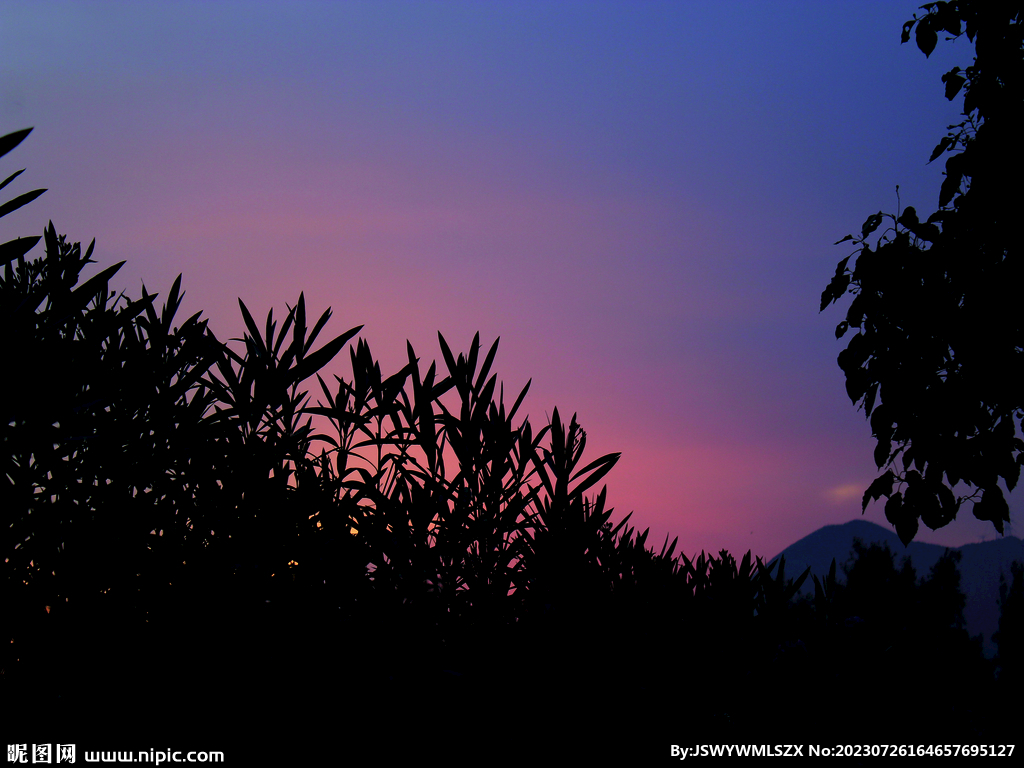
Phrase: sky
(639, 199)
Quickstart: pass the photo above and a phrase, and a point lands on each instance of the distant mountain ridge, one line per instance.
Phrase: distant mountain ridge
(980, 565)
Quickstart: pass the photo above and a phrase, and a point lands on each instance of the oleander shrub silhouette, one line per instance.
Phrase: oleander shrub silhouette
(213, 525)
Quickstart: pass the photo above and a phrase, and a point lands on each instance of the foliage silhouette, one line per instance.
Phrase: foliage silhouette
(182, 511)
(938, 348)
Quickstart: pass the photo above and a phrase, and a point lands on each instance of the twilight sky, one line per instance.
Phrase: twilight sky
(639, 199)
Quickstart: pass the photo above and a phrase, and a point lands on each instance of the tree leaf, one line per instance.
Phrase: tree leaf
(871, 224)
(894, 509)
(882, 452)
(880, 486)
(954, 82)
(951, 183)
(948, 19)
(941, 147)
(906, 528)
(993, 507)
(905, 35)
(926, 40)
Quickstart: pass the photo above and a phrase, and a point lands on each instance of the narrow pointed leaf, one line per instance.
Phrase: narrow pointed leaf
(254, 330)
(15, 249)
(11, 178)
(316, 330)
(314, 362)
(446, 353)
(20, 200)
(11, 140)
(486, 367)
(603, 467)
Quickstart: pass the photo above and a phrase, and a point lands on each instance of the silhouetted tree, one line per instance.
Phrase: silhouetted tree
(1009, 638)
(939, 353)
(886, 629)
(877, 593)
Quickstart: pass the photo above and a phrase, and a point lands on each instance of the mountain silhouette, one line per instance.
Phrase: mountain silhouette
(980, 566)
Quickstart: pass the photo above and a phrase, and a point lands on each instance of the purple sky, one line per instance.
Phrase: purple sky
(639, 199)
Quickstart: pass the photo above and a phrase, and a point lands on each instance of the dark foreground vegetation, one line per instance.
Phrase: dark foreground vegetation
(214, 539)
(206, 536)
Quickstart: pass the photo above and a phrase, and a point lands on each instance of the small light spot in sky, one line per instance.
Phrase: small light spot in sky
(845, 492)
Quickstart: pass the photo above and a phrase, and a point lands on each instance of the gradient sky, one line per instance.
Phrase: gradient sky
(640, 199)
